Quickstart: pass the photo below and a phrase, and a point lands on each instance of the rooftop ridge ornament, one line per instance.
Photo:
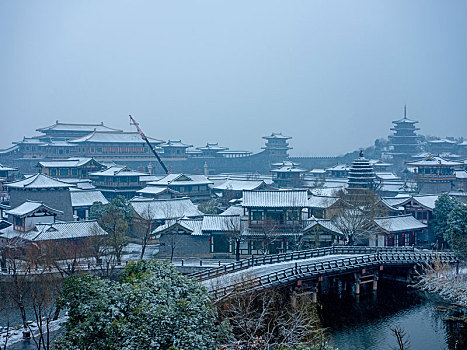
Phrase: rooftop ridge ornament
(405, 111)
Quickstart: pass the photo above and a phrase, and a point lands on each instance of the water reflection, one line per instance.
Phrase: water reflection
(365, 322)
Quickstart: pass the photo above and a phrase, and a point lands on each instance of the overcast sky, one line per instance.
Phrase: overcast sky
(331, 74)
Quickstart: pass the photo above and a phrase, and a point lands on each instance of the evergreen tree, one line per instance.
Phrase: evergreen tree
(457, 230)
(152, 307)
(443, 207)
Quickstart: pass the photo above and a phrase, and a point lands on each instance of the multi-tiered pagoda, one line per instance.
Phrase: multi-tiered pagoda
(405, 140)
(277, 145)
(361, 174)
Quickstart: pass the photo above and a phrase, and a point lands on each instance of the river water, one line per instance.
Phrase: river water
(365, 322)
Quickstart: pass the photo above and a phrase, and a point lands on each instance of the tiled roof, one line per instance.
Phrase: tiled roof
(67, 163)
(327, 224)
(434, 161)
(399, 223)
(275, 199)
(117, 171)
(238, 185)
(154, 190)
(38, 181)
(233, 210)
(86, 198)
(191, 225)
(30, 207)
(114, 137)
(164, 209)
(67, 230)
(321, 201)
(77, 127)
(181, 179)
(277, 135)
(221, 223)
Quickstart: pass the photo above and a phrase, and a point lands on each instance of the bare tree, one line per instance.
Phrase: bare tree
(270, 320)
(354, 213)
(44, 292)
(143, 226)
(234, 233)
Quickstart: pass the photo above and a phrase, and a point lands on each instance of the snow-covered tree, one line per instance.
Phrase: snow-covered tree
(152, 307)
(456, 233)
(443, 207)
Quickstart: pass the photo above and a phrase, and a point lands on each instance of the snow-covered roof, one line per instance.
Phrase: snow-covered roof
(399, 223)
(405, 121)
(221, 223)
(275, 199)
(85, 198)
(434, 161)
(175, 143)
(386, 176)
(181, 179)
(39, 181)
(427, 200)
(276, 135)
(67, 230)
(288, 169)
(462, 174)
(117, 171)
(321, 201)
(212, 147)
(155, 190)
(233, 210)
(163, 209)
(67, 163)
(239, 185)
(318, 171)
(29, 208)
(442, 141)
(194, 226)
(339, 167)
(327, 224)
(5, 168)
(77, 127)
(394, 202)
(114, 137)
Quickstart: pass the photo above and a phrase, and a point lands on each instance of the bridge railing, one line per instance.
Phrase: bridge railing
(338, 265)
(291, 256)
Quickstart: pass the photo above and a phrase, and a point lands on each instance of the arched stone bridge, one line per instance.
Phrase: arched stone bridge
(279, 270)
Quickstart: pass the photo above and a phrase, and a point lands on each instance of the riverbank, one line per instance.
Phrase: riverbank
(447, 281)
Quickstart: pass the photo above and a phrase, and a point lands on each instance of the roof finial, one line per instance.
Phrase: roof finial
(405, 111)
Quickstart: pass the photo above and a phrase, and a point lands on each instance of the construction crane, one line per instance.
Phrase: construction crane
(141, 133)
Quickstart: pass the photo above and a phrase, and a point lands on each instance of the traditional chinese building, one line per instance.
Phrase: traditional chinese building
(275, 219)
(117, 181)
(397, 231)
(434, 174)
(441, 146)
(361, 174)
(174, 149)
(42, 188)
(288, 174)
(405, 141)
(70, 168)
(211, 150)
(195, 187)
(277, 145)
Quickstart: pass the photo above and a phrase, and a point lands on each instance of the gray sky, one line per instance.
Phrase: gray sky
(331, 74)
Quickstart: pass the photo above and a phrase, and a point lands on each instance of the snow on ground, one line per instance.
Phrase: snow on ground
(16, 333)
(257, 271)
(447, 283)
